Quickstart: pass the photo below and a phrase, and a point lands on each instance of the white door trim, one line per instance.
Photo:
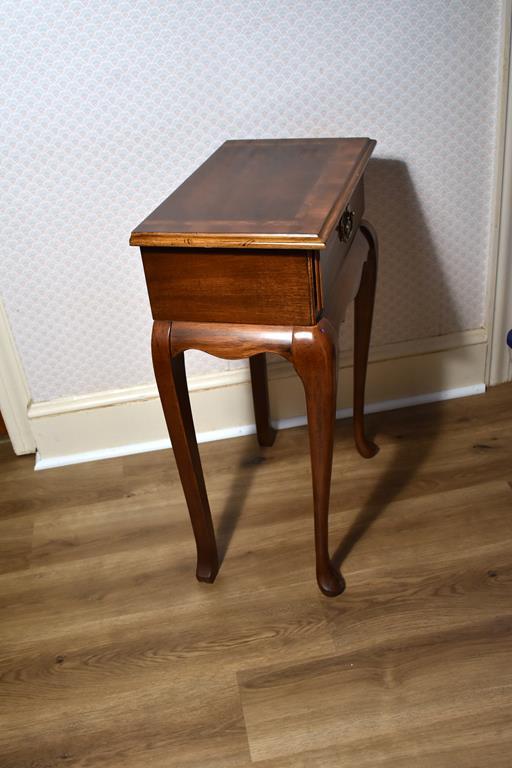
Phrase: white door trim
(499, 299)
(14, 392)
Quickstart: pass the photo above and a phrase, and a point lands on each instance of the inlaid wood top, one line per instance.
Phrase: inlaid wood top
(268, 193)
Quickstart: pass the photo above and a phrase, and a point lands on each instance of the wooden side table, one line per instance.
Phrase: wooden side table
(261, 250)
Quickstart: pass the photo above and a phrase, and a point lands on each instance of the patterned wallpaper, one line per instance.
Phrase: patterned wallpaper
(110, 105)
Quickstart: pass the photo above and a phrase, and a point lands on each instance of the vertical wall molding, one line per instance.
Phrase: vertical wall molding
(14, 392)
(499, 298)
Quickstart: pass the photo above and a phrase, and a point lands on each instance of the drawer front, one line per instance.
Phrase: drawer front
(237, 286)
(332, 259)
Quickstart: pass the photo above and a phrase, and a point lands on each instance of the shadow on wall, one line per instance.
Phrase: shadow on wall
(410, 266)
(408, 259)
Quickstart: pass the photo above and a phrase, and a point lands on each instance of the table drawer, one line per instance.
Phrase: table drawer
(333, 272)
(230, 286)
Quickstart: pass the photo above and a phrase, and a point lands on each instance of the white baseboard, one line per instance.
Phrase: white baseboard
(248, 429)
(122, 422)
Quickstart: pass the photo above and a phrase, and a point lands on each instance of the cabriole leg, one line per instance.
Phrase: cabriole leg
(363, 316)
(314, 356)
(171, 380)
(265, 431)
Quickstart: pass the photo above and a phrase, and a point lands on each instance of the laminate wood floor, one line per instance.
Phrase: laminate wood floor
(112, 655)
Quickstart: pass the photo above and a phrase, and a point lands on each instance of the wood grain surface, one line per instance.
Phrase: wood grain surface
(271, 193)
(111, 655)
(221, 286)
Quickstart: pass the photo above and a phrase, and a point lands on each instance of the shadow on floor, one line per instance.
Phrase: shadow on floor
(407, 254)
(251, 458)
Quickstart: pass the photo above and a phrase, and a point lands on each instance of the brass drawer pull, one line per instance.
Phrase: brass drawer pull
(345, 225)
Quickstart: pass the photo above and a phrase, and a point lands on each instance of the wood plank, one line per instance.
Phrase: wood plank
(112, 654)
(16, 547)
(383, 691)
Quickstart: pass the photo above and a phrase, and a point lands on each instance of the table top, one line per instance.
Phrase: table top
(264, 193)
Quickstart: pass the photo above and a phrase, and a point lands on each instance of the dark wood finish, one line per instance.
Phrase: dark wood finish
(259, 383)
(272, 193)
(114, 657)
(276, 249)
(313, 352)
(363, 316)
(314, 356)
(340, 265)
(230, 286)
(232, 342)
(172, 387)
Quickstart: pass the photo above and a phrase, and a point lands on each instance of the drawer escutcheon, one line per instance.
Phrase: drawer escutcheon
(345, 225)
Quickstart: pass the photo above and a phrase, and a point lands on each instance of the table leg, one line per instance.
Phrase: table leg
(363, 315)
(172, 385)
(265, 431)
(314, 355)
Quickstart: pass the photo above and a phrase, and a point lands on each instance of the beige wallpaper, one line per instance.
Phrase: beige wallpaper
(110, 105)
